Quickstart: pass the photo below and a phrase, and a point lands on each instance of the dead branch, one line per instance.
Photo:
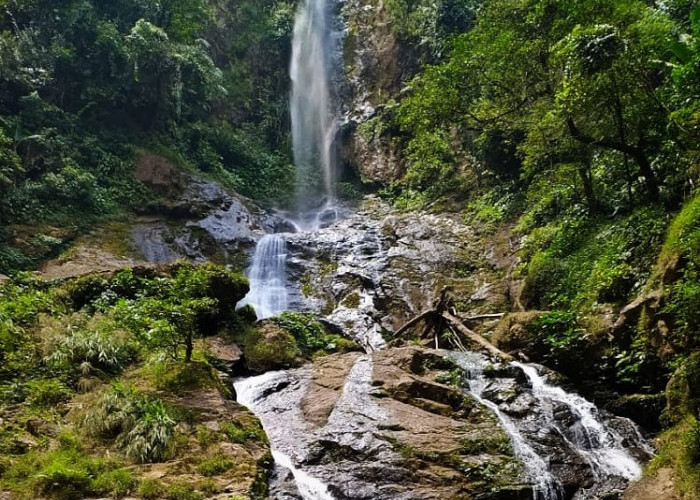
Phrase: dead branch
(475, 337)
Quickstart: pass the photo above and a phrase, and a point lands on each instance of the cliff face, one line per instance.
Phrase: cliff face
(377, 65)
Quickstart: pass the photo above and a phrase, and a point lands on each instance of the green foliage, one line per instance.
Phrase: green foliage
(86, 84)
(679, 448)
(118, 483)
(78, 343)
(586, 101)
(310, 335)
(682, 251)
(239, 433)
(66, 473)
(579, 262)
(169, 312)
(215, 465)
(183, 492)
(47, 392)
(139, 424)
(558, 341)
(150, 489)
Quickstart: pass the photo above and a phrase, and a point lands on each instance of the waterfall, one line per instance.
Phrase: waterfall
(314, 58)
(546, 486)
(601, 446)
(268, 277)
(567, 417)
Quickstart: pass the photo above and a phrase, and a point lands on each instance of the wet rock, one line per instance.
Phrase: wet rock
(408, 444)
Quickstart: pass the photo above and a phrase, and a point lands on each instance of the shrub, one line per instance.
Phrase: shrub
(47, 392)
(215, 465)
(65, 473)
(150, 489)
(182, 492)
(139, 424)
(557, 341)
(88, 344)
(118, 483)
(310, 335)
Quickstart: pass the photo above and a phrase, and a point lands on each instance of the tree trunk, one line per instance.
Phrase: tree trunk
(584, 171)
(636, 153)
(189, 347)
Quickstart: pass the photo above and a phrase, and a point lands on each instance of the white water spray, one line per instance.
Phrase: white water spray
(545, 485)
(314, 125)
(268, 277)
(599, 444)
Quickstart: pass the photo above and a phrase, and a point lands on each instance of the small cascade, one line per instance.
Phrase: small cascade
(268, 277)
(544, 420)
(546, 486)
(600, 445)
(309, 487)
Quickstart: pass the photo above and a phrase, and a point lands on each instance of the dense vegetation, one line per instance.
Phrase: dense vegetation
(575, 124)
(86, 85)
(113, 362)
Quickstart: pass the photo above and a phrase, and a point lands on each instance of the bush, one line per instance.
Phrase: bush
(47, 392)
(139, 424)
(150, 489)
(310, 335)
(215, 465)
(65, 473)
(118, 483)
(557, 341)
(89, 344)
(183, 492)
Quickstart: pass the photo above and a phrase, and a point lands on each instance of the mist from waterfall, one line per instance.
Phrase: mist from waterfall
(314, 126)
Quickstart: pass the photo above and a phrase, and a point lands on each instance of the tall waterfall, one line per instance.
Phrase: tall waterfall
(314, 56)
(268, 277)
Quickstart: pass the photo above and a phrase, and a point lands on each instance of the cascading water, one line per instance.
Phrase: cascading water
(600, 445)
(314, 59)
(268, 277)
(555, 416)
(546, 486)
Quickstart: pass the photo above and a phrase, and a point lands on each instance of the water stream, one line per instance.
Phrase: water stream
(556, 418)
(315, 49)
(268, 277)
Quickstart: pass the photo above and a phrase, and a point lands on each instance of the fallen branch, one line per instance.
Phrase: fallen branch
(483, 316)
(424, 315)
(475, 337)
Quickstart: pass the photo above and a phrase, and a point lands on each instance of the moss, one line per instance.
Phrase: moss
(352, 301)
(306, 287)
(242, 432)
(268, 347)
(679, 448)
(215, 465)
